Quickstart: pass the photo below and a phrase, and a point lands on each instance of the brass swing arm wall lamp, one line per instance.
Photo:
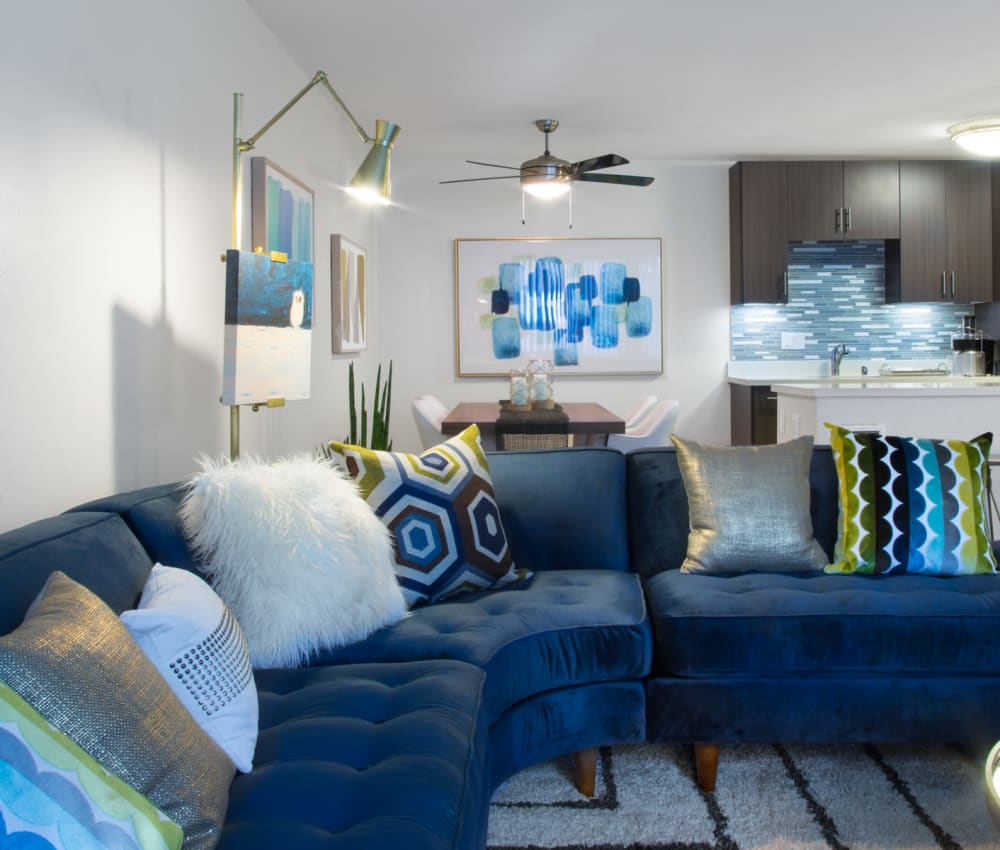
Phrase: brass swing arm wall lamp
(370, 183)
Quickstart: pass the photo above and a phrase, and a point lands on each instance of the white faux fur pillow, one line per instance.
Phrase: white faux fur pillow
(295, 552)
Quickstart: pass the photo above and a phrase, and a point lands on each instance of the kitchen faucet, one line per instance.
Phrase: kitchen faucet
(838, 353)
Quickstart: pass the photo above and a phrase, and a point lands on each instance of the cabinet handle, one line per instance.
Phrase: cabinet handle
(771, 398)
(952, 283)
(785, 285)
(836, 220)
(944, 284)
(847, 219)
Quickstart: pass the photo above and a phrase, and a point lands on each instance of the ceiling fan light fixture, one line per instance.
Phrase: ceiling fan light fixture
(981, 136)
(546, 188)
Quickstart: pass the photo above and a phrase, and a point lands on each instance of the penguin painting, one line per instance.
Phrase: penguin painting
(298, 311)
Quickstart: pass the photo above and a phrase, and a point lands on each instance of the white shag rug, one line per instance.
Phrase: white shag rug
(805, 797)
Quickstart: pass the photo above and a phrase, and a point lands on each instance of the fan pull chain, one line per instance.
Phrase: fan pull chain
(570, 193)
(522, 205)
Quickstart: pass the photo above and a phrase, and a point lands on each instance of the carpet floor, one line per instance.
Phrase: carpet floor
(849, 797)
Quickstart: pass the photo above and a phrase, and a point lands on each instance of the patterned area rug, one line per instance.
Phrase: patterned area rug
(850, 797)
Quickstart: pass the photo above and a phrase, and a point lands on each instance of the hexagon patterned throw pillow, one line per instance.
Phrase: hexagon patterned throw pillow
(440, 508)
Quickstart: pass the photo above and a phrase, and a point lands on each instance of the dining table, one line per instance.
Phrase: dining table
(586, 422)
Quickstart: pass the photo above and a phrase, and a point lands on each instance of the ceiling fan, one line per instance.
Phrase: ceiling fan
(547, 176)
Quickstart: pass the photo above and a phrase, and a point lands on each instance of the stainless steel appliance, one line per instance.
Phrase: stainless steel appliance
(968, 355)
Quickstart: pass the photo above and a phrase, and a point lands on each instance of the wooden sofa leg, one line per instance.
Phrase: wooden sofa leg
(706, 765)
(585, 764)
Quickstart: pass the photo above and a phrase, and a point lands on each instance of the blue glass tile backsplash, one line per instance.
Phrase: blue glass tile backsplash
(836, 293)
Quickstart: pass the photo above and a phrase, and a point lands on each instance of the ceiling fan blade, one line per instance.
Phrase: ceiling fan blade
(477, 179)
(494, 165)
(621, 179)
(609, 160)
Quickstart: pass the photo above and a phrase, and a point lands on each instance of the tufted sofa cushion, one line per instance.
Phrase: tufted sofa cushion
(569, 627)
(762, 624)
(584, 621)
(345, 753)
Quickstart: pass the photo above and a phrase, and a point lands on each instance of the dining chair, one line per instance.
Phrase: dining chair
(428, 411)
(652, 429)
(439, 408)
(639, 410)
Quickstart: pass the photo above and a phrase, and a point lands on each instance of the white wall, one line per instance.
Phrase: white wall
(686, 206)
(115, 186)
(115, 167)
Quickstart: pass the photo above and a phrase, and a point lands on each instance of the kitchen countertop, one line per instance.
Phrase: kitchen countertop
(956, 408)
(844, 388)
(816, 373)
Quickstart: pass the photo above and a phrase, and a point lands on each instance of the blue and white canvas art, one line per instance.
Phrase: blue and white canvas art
(591, 306)
(281, 211)
(268, 338)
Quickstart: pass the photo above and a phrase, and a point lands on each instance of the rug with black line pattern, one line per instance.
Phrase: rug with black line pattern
(767, 797)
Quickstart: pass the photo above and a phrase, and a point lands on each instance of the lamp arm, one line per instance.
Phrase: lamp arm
(319, 78)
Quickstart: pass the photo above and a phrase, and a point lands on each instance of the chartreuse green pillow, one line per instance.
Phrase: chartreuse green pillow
(51, 790)
(910, 505)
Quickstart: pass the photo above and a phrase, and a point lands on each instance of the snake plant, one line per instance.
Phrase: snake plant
(380, 412)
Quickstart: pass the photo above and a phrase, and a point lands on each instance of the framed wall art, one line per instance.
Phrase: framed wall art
(268, 335)
(348, 295)
(281, 211)
(591, 306)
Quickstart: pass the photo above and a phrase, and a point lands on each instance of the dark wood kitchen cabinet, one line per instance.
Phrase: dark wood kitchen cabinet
(946, 227)
(843, 200)
(753, 415)
(758, 244)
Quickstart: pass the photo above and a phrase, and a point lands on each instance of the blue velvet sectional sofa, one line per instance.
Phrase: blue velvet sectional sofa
(806, 657)
(400, 740)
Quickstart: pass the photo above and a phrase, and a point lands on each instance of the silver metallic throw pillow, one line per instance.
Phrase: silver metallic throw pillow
(749, 508)
(75, 663)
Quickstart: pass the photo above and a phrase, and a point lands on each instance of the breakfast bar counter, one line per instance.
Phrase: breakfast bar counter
(943, 409)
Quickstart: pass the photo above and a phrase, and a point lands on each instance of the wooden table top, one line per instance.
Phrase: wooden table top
(585, 417)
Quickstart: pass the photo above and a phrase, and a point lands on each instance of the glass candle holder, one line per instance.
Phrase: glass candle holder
(520, 389)
(540, 376)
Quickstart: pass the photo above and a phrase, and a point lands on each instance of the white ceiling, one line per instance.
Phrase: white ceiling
(654, 79)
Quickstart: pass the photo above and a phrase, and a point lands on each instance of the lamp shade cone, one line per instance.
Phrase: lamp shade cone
(371, 182)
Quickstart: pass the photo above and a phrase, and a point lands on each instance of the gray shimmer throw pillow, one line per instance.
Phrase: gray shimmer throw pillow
(749, 508)
(75, 663)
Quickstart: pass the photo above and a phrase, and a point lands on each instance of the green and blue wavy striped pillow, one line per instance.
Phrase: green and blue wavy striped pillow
(53, 795)
(910, 505)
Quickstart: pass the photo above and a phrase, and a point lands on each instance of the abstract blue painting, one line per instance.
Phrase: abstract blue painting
(592, 306)
(268, 334)
(281, 211)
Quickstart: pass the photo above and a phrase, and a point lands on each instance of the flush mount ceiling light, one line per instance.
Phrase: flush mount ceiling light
(981, 136)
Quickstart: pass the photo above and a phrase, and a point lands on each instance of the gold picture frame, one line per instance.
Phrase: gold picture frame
(593, 306)
(348, 295)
